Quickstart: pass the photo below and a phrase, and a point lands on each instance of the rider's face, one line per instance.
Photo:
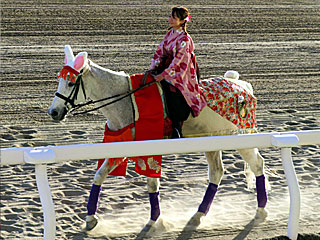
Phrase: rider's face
(174, 21)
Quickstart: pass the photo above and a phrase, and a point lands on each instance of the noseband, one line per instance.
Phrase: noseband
(79, 83)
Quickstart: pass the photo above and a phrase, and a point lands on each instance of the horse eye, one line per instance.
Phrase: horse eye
(71, 84)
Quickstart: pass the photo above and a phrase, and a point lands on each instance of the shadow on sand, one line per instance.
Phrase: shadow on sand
(245, 232)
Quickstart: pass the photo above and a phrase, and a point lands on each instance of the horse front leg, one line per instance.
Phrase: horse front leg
(153, 190)
(92, 206)
(154, 194)
(256, 164)
(215, 171)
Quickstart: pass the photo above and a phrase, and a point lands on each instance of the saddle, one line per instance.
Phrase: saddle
(176, 109)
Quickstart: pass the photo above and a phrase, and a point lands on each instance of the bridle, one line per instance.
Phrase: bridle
(74, 93)
(79, 84)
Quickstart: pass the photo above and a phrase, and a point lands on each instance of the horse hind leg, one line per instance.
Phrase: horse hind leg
(256, 164)
(92, 206)
(215, 171)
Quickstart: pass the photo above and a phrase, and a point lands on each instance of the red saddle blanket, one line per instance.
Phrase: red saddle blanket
(150, 125)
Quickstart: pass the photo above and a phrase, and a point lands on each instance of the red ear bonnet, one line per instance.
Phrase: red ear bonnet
(73, 65)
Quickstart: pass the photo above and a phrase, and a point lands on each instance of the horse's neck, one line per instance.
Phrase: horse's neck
(101, 83)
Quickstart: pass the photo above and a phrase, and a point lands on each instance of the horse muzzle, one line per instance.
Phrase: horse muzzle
(58, 114)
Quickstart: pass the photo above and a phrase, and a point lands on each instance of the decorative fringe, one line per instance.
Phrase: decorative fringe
(65, 71)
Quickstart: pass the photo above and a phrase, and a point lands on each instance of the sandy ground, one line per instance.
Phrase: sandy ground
(275, 45)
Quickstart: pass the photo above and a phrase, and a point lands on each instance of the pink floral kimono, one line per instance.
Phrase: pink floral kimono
(181, 73)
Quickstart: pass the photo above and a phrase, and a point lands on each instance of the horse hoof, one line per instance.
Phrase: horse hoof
(194, 222)
(147, 228)
(91, 222)
(261, 215)
(153, 228)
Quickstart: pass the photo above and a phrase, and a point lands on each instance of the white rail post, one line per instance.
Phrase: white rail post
(37, 157)
(49, 215)
(286, 142)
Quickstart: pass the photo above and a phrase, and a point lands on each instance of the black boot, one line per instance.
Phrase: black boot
(176, 130)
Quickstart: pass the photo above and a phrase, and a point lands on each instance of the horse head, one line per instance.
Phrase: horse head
(67, 94)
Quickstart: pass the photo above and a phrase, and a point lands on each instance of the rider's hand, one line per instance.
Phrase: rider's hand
(159, 78)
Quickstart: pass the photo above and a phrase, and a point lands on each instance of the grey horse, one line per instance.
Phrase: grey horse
(100, 82)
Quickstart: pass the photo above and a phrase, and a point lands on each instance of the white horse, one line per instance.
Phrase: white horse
(99, 83)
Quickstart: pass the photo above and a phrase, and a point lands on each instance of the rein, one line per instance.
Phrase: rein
(79, 83)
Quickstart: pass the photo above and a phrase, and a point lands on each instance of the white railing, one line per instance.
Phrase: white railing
(40, 156)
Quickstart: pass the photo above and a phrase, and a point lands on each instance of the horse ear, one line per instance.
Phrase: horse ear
(69, 54)
(80, 61)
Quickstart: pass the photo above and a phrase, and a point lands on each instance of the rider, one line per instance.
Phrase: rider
(175, 67)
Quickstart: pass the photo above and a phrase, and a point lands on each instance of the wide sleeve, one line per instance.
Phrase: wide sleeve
(178, 69)
(157, 56)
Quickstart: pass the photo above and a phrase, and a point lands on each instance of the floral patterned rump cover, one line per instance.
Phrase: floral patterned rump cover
(232, 101)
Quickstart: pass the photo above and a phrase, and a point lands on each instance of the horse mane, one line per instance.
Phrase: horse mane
(120, 74)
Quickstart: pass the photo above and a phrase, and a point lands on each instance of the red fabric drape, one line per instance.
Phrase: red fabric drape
(149, 126)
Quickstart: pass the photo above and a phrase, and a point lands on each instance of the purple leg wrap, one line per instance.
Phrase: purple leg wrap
(261, 191)
(208, 198)
(93, 199)
(155, 206)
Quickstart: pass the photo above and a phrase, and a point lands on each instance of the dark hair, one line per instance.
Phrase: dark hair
(182, 13)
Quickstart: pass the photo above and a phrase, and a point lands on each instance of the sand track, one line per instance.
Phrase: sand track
(275, 46)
